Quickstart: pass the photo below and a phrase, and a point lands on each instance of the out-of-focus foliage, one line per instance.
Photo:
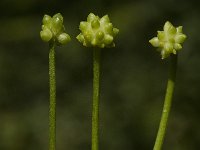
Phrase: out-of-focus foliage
(133, 77)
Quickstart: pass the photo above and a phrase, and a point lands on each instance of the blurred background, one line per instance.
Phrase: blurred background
(133, 78)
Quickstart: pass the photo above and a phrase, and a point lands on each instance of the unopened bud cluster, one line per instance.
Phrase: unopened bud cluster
(97, 32)
(53, 30)
(169, 41)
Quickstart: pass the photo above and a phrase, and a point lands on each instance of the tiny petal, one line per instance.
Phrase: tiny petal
(180, 38)
(64, 38)
(46, 19)
(88, 35)
(177, 46)
(167, 26)
(44, 27)
(83, 25)
(95, 24)
(94, 42)
(105, 19)
(179, 29)
(168, 47)
(57, 23)
(172, 30)
(109, 27)
(80, 38)
(91, 17)
(108, 39)
(155, 42)
(115, 31)
(58, 16)
(174, 51)
(46, 35)
(163, 54)
(100, 35)
(161, 35)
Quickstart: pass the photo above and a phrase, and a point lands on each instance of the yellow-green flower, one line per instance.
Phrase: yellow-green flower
(97, 32)
(54, 30)
(168, 41)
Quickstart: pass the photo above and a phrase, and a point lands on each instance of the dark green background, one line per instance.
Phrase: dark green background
(133, 77)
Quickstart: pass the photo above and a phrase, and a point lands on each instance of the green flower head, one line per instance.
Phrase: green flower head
(168, 41)
(97, 32)
(53, 30)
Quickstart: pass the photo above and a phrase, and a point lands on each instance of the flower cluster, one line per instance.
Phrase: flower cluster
(97, 32)
(168, 41)
(53, 30)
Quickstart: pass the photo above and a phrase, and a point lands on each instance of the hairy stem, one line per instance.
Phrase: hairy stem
(167, 103)
(95, 105)
(52, 106)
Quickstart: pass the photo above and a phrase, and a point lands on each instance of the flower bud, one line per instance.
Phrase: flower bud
(168, 41)
(99, 35)
(57, 23)
(53, 30)
(91, 17)
(105, 19)
(64, 38)
(46, 19)
(97, 32)
(95, 24)
(46, 35)
(155, 42)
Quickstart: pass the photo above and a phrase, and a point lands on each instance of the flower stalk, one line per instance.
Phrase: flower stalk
(98, 33)
(53, 32)
(96, 92)
(167, 103)
(168, 43)
(52, 105)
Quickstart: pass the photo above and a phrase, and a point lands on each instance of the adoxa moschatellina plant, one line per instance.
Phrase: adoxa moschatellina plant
(53, 32)
(96, 33)
(168, 42)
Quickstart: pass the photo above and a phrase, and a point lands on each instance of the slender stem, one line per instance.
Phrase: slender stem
(95, 105)
(52, 106)
(167, 103)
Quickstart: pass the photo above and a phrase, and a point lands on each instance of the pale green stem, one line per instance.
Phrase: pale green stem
(95, 105)
(52, 106)
(167, 103)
